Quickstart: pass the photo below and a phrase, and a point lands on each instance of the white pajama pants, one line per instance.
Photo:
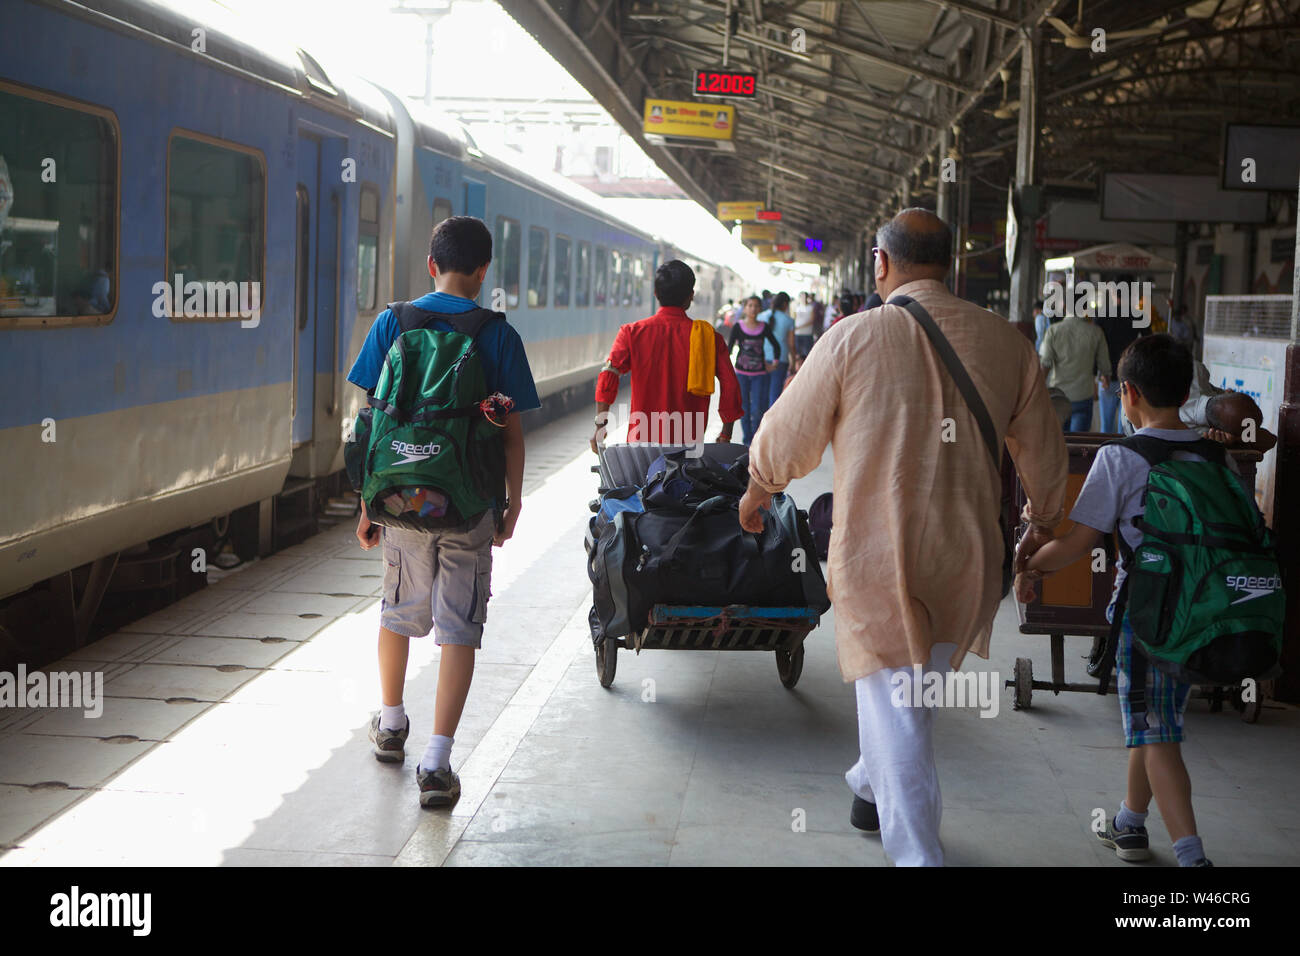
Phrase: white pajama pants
(895, 768)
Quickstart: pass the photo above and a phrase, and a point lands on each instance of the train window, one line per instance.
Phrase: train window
(215, 224)
(600, 278)
(538, 265)
(368, 248)
(638, 292)
(648, 286)
(302, 267)
(506, 248)
(582, 275)
(562, 271)
(58, 211)
(441, 211)
(615, 277)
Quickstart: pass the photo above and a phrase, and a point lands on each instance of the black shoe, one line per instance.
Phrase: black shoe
(864, 816)
(389, 745)
(438, 788)
(1130, 845)
(1203, 862)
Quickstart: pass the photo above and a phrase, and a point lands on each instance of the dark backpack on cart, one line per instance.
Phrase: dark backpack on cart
(819, 522)
(697, 554)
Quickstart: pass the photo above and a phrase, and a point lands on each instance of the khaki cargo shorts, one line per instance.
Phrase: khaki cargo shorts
(439, 582)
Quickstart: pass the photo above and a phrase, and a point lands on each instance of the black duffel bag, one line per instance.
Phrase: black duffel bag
(701, 556)
(686, 482)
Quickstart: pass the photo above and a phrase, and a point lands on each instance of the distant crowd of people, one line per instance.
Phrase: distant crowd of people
(768, 338)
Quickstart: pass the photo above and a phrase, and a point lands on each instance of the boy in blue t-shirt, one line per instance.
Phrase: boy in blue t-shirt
(1155, 374)
(440, 581)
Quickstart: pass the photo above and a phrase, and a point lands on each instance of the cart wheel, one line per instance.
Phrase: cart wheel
(789, 665)
(1024, 683)
(1250, 709)
(606, 661)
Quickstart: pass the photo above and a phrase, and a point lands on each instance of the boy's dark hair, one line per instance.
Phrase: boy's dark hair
(461, 244)
(781, 302)
(674, 283)
(1159, 367)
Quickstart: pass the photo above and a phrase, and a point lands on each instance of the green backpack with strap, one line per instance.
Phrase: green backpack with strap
(426, 452)
(1204, 590)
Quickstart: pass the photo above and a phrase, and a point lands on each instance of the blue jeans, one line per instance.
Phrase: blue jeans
(1080, 416)
(753, 399)
(1110, 408)
(777, 379)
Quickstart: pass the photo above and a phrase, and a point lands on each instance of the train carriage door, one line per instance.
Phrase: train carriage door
(305, 288)
(475, 200)
(316, 285)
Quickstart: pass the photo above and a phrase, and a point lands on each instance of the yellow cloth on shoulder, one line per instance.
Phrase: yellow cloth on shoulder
(699, 378)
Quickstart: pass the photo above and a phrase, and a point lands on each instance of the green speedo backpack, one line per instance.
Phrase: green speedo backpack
(1205, 595)
(425, 454)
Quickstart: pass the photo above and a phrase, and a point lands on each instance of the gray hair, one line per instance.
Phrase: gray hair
(916, 247)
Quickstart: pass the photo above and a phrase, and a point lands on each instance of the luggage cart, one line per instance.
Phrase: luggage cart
(734, 627)
(1074, 600)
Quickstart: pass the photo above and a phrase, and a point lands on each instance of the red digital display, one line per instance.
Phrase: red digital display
(721, 83)
(769, 215)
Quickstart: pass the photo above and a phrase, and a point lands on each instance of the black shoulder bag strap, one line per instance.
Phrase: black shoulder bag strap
(958, 372)
(976, 405)
(410, 316)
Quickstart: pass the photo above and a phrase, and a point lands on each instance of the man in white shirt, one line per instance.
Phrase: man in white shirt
(803, 325)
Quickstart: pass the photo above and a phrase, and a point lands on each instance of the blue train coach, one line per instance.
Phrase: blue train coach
(197, 228)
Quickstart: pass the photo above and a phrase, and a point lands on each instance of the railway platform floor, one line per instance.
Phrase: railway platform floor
(234, 731)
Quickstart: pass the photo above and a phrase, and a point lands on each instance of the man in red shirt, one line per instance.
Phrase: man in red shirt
(657, 353)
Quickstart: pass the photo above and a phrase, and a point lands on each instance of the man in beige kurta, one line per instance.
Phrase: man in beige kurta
(916, 555)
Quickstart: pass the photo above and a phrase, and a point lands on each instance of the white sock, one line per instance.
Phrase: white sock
(392, 718)
(437, 756)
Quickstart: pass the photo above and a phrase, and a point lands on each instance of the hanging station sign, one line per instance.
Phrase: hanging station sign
(758, 233)
(725, 83)
(688, 120)
(744, 211)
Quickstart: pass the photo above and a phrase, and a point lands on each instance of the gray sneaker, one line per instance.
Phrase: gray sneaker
(390, 745)
(438, 788)
(1131, 845)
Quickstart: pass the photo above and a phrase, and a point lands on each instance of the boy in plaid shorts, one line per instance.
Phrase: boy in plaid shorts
(1155, 374)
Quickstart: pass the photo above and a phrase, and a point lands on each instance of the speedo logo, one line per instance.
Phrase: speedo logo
(1150, 557)
(413, 453)
(1253, 586)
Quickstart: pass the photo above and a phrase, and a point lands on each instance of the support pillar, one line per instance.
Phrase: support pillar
(1024, 274)
(943, 206)
(1286, 501)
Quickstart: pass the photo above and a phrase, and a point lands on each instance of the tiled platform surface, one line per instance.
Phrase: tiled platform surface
(234, 732)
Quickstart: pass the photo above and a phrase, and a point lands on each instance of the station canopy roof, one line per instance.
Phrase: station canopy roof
(853, 96)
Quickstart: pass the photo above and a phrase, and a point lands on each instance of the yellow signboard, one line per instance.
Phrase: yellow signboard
(757, 233)
(694, 120)
(744, 211)
(769, 254)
